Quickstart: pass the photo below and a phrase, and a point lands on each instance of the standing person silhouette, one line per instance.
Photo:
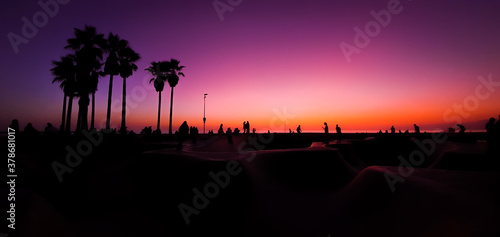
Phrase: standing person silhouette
(15, 125)
(183, 134)
(462, 129)
(229, 134)
(299, 130)
(417, 129)
(244, 127)
(248, 127)
(326, 132)
(393, 130)
(339, 132)
(221, 130)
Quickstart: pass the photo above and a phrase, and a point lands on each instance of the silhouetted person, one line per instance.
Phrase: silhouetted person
(221, 130)
(299, 130)
(393, 130)
(14, 125)
(30, 130)
(50, 129)
(339, 132)
(194, 134)
(326, 132)
(244, 127)
(248, 127)
(146, 131)
(462, 128)
(236, 131)
(254, 130)
(400, 131)
(183, 134)
(417, 129)
(229, 136)
(290, 130)
(338, 129)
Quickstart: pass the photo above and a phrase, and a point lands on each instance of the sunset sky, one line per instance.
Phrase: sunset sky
(269, 58)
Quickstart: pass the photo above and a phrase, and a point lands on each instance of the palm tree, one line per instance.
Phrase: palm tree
(88, 50)
(128, 57)
(173, 80)
(64, 72)
(159, 70)
(94, 80)
(112, 67)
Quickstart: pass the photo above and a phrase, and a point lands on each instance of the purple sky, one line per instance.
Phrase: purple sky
(268, 56)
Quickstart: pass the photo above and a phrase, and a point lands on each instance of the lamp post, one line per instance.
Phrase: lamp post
(204, 119)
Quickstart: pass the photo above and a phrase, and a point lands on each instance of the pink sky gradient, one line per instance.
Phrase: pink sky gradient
(267, 56)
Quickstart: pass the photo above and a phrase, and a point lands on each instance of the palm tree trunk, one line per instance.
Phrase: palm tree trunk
(123, 129)
(83, 104)
(171, 105)
(79, 119)
(93, 112)
(159, 107)
(63, 122)
(108, 114)
(68, 118)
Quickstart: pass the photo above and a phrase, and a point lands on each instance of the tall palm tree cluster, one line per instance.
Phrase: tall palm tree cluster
(165, 71)
(95, 56)
(78, 73)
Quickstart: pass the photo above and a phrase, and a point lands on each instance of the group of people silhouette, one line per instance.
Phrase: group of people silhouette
(246, 127)
(492, 131)
(326, 130)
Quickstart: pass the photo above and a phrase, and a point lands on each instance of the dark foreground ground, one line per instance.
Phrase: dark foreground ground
(261, 185)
